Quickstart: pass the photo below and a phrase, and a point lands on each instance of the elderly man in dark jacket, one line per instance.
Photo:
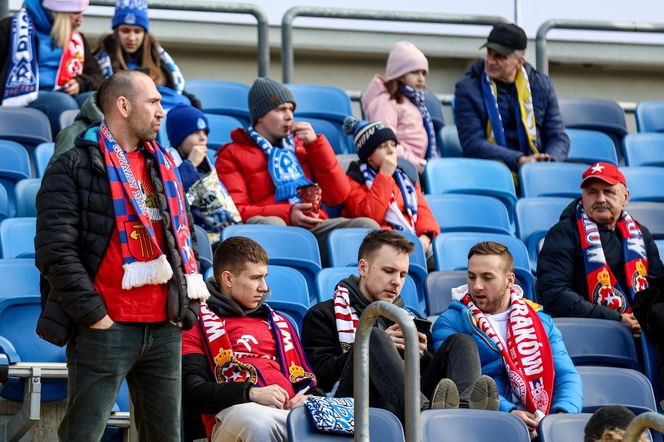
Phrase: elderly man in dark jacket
(597, 256)
(115, 248)
(505, 109)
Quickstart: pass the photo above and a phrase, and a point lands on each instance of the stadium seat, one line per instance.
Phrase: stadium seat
(563, 427)
(340, 142)
(345, 159)
(435, 108)
(204, 249)
(17, 237)
(68, 117)
(644, 149)
(650, 366)
(594, 114)
(451, 249)
(25, 194)
(288, 292)
(221, 127)
(469, 213)
(18, 277)
(472, 426)
(439, 289)
(649, 214)
(644, 183)
(24, 125)
(589, 147)
(551, 179)
(451, 145)
(285, 245)
(650, 116)
(534, 218)
(612, 385)
(383, 426)
(660, 246)
(471, 176)
(222, 97)
(43, 154)
(409, 169)
(591, 341)
(5, 208)
(15, 166)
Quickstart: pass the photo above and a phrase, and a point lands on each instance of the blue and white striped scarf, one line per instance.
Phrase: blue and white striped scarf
(394, 217)
(417, 98)
(22, 82)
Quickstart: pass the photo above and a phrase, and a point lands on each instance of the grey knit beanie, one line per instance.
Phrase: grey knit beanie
(267, 94)
(606, 418)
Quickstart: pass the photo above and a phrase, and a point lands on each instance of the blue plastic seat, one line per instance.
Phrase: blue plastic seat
(644, 149)
(471, 176)
(469, 213)
(612, 385)
(450, 143)
(204, 249)
(451, 249)
(43, 154)
(383, 426)
(594, 114)
(563, 427)
(649, 214)
(14, 167)
(5, 208)
(26, 196)
(221, 127)
(453, 425)
(590, 146)
(591, 341)
(551, 179)
(439, 289)
(24, 125)
(644, 183)
(18, 277)
(435, 108)
(17, 236)
(534, 218)
(650, 116)
(285, 245)
(340, 142)
(650, 366)
(222, 97)
(288, 292)
(660, 246)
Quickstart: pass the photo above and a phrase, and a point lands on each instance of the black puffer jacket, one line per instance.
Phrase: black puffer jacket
(75, 219)
(561, 275)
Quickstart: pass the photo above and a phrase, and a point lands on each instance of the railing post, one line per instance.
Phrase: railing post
(642, 422)
(361, 369)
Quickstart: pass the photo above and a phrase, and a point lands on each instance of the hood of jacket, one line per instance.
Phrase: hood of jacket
(90, 113)
(375, 88)
(225, 306)
(42, 18)
(459, 292)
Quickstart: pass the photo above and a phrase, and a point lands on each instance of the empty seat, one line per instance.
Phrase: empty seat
(469, 213)
(222, 97)
(221, 127)
(5, 208)
(14, 167)
(644, 149)
(472, 426)
(24, 125)
(660, 246)
(551, 179)
(43, 154)
(451, 249)
(288, 292)
(649, 214)
(439, 289)
(612, 385)
(590, 146)
(204, 249)
(450, 143)
(18, 277)
(650, 366)
(591, 341)
(563, 427)
(644, 183)
(340, 142)
(25, 194)
(650, 116)
(17, 237)
(594, 114)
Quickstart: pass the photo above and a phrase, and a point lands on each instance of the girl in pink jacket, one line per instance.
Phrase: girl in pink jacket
(397, 100)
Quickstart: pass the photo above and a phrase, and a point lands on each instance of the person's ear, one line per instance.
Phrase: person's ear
(362, 267)
(124, 106)
(226, 279)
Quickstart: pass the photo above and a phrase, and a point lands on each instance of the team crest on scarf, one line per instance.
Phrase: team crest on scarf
(71, 63)
(229, 369)
(22, 80)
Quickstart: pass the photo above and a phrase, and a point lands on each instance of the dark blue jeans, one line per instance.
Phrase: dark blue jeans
(148, 355)
(54, 103)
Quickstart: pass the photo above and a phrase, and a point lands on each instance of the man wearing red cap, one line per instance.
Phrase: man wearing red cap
(597, 256)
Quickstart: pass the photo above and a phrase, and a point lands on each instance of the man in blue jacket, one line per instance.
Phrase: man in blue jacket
(505, 110)
(519, 346)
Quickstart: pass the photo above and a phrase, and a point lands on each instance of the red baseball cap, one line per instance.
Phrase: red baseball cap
(606, 172)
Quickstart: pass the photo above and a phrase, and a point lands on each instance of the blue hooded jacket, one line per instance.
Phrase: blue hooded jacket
(49, 53)
(567, 387)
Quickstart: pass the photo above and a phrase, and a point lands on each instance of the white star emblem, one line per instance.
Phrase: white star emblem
(597, 168)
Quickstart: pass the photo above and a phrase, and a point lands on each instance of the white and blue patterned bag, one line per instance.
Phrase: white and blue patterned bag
(332, 414)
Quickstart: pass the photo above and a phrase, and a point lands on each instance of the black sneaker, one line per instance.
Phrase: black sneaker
(445, 395)
(484, 395)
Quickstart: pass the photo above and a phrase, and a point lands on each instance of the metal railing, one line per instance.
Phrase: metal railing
(361, 369)
(586, 25)
(642, 422)
(287, 56)
(263, 48)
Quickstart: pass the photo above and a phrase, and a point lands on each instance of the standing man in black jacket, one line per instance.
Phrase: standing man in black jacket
(597, 256)
(116, 251)
(328, 337)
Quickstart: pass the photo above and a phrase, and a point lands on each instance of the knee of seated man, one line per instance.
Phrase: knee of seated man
(254, 426)
(461, 341)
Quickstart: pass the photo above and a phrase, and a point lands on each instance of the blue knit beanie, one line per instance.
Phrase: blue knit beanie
(183, 120)
(367, 135)
(131, 12)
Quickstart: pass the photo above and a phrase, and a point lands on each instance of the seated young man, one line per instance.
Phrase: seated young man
(242, 366)
(519, 345)
(328, 335)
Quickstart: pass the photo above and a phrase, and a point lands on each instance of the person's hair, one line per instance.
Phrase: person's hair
(617, 435)
(379, 238)
(487, 248)
(393, 88)
(148, 54)
(119, 84)
(61, 30)
(233, 253)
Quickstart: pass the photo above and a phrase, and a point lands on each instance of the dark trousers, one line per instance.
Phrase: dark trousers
(457, 359)
(148, 355)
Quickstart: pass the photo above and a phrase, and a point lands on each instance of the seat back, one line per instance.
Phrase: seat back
(439, 288)
(451, 144)
(43, 154)
(17, 237)
(204, 248)
(25, 193)
(469, 213)
(435, 108)
(590, 146)
(5, 208)
(451, 249)
(327, 102)
(634, 389)
(18, 277)
(24, 125)
(650, 116)
(591, 341)
(594, 114)
(644, 149)
(333, 131)
(467, 425)
(649, 214)
(222, 97)
(14, 167)
(644, 183)
(288, 292)
(563, 427)
(221, 127)
(551, 179)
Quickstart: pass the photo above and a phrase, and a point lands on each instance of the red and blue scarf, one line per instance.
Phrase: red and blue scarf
(603, 288)
(129, 204)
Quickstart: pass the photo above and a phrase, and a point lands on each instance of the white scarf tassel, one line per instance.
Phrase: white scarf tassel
(196, 288)
(140, 273)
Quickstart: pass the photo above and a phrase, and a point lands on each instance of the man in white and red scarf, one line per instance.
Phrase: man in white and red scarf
(519, 346)
(243, 366)
(597, 257)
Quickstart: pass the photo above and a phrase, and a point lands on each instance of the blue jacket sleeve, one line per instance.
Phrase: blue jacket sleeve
(470, 118)
(555, 141)
(447, 324)
(188, 173)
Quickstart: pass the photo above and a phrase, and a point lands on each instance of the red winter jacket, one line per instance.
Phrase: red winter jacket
(373, 202)
(242, 167)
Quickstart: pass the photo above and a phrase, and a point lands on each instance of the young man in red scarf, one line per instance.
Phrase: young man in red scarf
(243, 366)
(519, 346)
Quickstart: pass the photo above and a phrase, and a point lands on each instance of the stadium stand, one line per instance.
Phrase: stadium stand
(469, 213)
(26, 196)
(15, 166)
(589, 147)
(563, 427)
(221, 127)
(644, 149)
(450, 143)
(222, 97)
(24, 125)
(288, 292)
(439, 289)
(644, 183)
(650, 367)
(472, 425)
(43, 154)
(204, 248)
(5, 208)
(650, 116)
(634, 391)
(68, 117)
(17, 237)
(551, 179)
(649, 214)
(451, 249)
(594, 114)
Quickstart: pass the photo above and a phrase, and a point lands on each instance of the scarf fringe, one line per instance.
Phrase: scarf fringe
(284, 191)
(140, 273)
(196, 288)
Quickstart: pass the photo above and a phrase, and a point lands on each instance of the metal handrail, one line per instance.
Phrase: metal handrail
(642, 422)
(586, 25)
(213, 6)
(288, 59)
(361, 369)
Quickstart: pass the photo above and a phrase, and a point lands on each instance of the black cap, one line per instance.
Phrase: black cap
(506, 38)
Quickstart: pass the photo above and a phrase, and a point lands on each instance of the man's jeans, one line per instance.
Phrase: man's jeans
(148, 355)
